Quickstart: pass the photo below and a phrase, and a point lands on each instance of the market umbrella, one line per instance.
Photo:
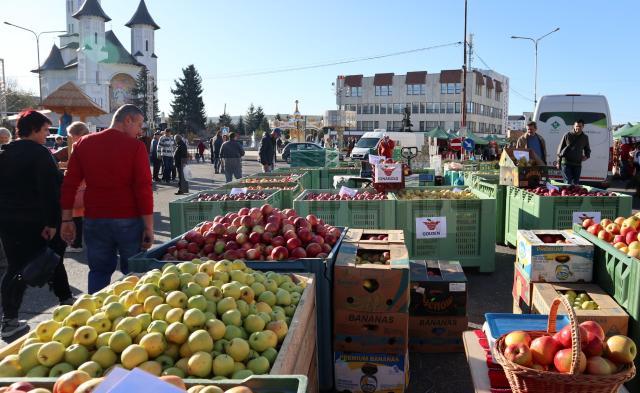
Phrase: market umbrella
(438, 133)
(71, 99)
(626, 130)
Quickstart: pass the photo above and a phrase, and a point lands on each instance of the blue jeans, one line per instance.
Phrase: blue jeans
(105, 239)
(167, 168)
(571, 173)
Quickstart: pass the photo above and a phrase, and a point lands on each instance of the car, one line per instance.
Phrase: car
(286, 152)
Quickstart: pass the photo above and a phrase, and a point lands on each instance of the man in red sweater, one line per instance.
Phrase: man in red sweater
(118, 199)
(386, 147)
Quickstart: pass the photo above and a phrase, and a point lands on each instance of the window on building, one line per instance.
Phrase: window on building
(456, 125)
(415, 90)
(443, 107)
(384, 90)
(451, 88)
(489, 92)
(383, 109)
(423, 107)
(415, 107)
(95, 37)
(376, 124)
(458, 107)
(450, 107)
(97, 76)
(353, 91)
(146, 45)
(366, 109)
(398, 109)
(479, 90)
(498, 94)
(458, 88)
(421, 128)
(358, 109)
(443, 88)
(376, 108)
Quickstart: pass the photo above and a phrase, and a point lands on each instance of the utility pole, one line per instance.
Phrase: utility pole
(464, 73)
(3, 93)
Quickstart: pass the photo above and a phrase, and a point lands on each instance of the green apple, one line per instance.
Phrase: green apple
(192, 289)
(212, 293)
(271, 285)
(222, 266)
(220, 278)
(84, 303)
(238, 349)
(254, 323)
(169, 282)
(232, 317)
(165, 361)
(219, 345)
(207, 267)
(200, 340)
(157, 326)
(239, 276)
(226, 304)
(267, 297)
(259, 365)
(131, 325)
(216, 328)
(174, 315)
(260, 341)
(222, 365)
(183, 364)
(202, 279)
(237, 366)
(152, 367)
(177, 333)
(151, 303)
(174, 371)
(271, 354)
(295, 298)
(200, 364)
(188, 267)
(147, 290)
(232, 289)
(283, 298)
(114, 310)
(133, 356)
(145, 320)
(258, 288)
(59, 369)
(154, 343)
(194, 319)
(45, 329)
(243, 307)
(259, 277)
(28, 356)
(234, 331)
(99, 322)
(105, 357)
(263, 307)
(170, 268)
(51, 353)
(64, 335)
(278, 315)
(77, 318)
(38, 371)
(290, 310)
(212, 307)
(278, 278)
(177, 299)
(237, 264)
(10, 367)
(242, 374)
(265, 317)
(76, 354)
(173, 350)
(159, 313)
(61, 312)
(119, 341)
(110, 299)
(92, 368)
(198, 301)
(288, 286)
(103, 339)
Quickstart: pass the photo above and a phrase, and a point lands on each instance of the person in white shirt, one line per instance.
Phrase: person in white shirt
(166, 147)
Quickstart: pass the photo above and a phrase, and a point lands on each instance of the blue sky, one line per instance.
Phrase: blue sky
(595, 51)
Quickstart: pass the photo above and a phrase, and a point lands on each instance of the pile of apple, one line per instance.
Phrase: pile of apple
(598, 356)
(191, 320)
(623, 233)
(360, 196)
(250, 196)
(373, 257)
(268, 187)
(573, 190)
(435, 194)
(273, 179)
(254, 234)
(383, 236)
(580, 301)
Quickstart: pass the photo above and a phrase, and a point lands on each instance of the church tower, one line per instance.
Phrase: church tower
(72, 6)
(143, 29)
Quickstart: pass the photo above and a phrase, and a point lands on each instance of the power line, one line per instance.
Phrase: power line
(510, 87)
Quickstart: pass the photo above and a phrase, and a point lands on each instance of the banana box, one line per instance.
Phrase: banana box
(437, 334)
(374, 236)
(358, 331)
(371, 372)
(437, 288)
(554, 256)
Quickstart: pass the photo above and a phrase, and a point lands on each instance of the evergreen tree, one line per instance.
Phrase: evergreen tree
(225, 121)
(140, 93)
(187, 108)
(264, 126)
(240, 129)
(278, 117)
(259, 119)
(250, 120)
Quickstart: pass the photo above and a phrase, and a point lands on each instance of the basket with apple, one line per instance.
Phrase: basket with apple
(577, 359)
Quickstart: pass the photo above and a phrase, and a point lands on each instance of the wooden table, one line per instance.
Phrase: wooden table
(477, 361)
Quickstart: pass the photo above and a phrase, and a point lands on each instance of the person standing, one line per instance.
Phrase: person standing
(572, 151)
(267, 152)
(165, 153)
(201, 148)
(180, 157)
(76, 131)
(217, 144)
(232, 152)
(153, 155)
(386, 147)
(533, 141)
(29, 213)
(119, 199)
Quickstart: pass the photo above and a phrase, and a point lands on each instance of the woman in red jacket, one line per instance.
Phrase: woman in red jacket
(385, 148)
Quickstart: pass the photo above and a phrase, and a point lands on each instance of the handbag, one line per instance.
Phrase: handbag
(39, 270)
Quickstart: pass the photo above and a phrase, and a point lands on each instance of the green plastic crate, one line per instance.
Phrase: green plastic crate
(526, 210)
(451, 177)
(287, 195)
(312, 180)
(471, 237)
(498, 192)
(305, 179)
(185, 214)
(354, 214)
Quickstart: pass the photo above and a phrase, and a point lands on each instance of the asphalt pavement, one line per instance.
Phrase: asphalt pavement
(430, 373)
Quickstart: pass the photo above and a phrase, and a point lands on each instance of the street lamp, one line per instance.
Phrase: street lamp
(37, 35)
(535, 44)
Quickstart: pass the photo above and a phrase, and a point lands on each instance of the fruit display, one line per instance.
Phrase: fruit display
(598, 356)
(435, 194)
(263, 233)
(372, 257)
(553, 239)
(580, 301)
(375, 237)
(191, 320)
(360, 196)
(272, 179)
(250, 196)
(623, 233)
(573, 190)
(268, 187)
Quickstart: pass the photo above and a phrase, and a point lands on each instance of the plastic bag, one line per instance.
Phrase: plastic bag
(188, 175)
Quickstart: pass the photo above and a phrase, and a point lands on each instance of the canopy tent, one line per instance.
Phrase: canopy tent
(438, 133)
(71, 99)
(497, 139)
(627, 130)
(478, 140)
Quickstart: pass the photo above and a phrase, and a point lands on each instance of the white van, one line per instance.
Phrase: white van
(555, 115)
(369, 142)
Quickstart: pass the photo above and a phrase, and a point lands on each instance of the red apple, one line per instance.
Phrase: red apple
(278, 241)
(631, 236)
(564, 336)
(517, 337)
(544, 349)
(293, 243)
(619, 220)
(231, 245)
(317, 239)
(539, 367)
(298, 253)
(562, 361)
(22, 386)
(290, 235)
(304, 235)
(254, 237)
(597, 365)
(604, 235)
(218, 229)
(624, 230)
(271, 227)
(266, 209)
(182, 244)
(67, 383)
(255, 213)
(252, 254)
(613, 228)
(207, 249)
(326, 248)
(619, 239)
(594, 229)
(519, 353)
(587, 223)
(313, 220)
(594, 346)
(594, 329)
(193, 248)
(246, 221)
(313, 249)
(267, 237)
(279, 253)
(243, 211)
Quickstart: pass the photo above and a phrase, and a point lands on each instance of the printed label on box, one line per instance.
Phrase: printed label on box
(388, 173)
(457, 287)
(375, 160)
(431, 227)
(235, 191)
(370, 372)
(579, 217)
(347, 191)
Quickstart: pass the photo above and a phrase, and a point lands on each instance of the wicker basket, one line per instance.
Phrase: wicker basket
(527, 380)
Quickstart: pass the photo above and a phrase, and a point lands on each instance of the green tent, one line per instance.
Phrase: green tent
(438, 133)
(497, 139)
(626, 130)
(478, 140)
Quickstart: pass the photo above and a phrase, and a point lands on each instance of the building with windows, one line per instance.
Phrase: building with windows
(433, 99)
(519, 122)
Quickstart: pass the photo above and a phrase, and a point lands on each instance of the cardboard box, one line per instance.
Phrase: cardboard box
(437, 288)
(612, 318)
(358, 331)
(522, 289)
(437, 334)
(371, 287)
(520, 176)
(358, 236)
(516, 307)
(551, 262)
(371, 372)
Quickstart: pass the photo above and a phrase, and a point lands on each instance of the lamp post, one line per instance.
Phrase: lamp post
(37, 35)
(535, 44)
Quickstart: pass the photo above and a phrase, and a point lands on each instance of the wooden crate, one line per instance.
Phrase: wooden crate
(297, 354)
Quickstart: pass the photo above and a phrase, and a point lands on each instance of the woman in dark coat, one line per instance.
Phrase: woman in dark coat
(180, 157)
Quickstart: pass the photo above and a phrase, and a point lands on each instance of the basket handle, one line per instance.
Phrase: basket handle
(575, 331)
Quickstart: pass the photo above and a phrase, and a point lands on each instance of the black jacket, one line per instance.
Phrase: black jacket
(267, 150)
(29, 184)
(217, 144)
(572, 147)
(180, 155)
(231, 149)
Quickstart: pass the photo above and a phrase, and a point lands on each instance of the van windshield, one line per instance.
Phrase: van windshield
(367, 143)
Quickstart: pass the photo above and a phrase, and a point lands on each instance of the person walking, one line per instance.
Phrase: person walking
(165, 153)
(29, 213)
(386, 147)
(215, 152)
(232, 152)
(533, 141)
(76, 131)
(201, 148)
(119, 197)
(180, 157)
(572, 151)
(153, 155)
(267, 151)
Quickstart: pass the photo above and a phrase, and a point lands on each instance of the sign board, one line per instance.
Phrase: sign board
(374, 160)
(388, 173)
(431, 227)
(456, 144)
(225, 130)
(236, 191)
(579, 217)
(468, 144)
(435, 162)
